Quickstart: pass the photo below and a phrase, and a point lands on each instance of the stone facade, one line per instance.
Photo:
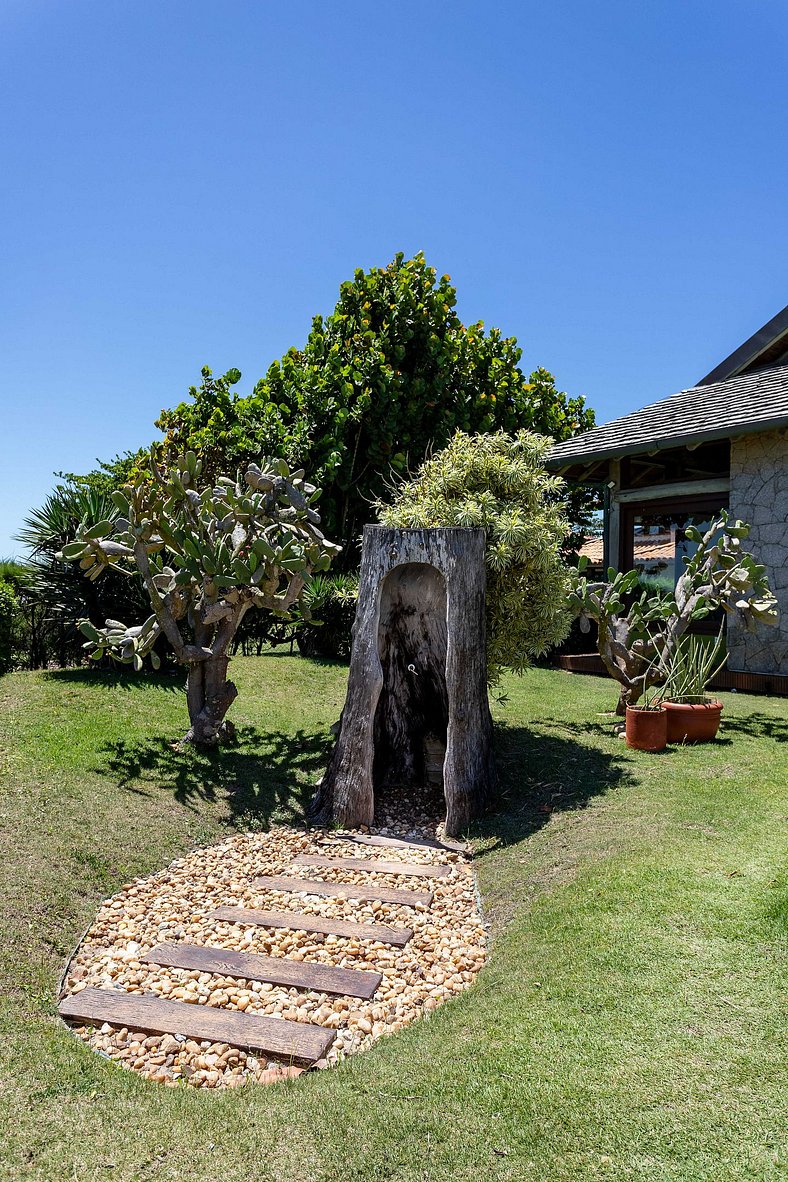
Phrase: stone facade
(759, 494)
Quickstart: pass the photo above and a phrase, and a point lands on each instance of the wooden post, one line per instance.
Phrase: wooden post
(613, 556)
(418, 677)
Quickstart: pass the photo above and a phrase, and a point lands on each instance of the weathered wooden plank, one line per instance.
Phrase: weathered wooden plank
(298, 922)
(373, 865)
(295, 974)
(400, 843)
(342, 890)
(300, 1041)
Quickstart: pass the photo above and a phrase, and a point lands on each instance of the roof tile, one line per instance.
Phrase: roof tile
(749, 402)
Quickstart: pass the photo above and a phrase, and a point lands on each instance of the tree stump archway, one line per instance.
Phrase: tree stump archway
(417, 688)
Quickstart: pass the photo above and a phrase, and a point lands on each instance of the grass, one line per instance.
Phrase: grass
(629, 1025)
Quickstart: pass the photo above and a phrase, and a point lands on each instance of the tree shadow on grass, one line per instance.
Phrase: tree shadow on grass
(171, 680)
(260, 777)
(544, 772)
(757, 725)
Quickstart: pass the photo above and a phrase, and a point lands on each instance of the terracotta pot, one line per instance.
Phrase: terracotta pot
(646, 730)
(693, 722)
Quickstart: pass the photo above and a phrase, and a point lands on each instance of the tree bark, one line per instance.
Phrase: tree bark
(418, 678)
(209, 696)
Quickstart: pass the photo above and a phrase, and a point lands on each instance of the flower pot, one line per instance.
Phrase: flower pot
(693, 722)
(646, 729)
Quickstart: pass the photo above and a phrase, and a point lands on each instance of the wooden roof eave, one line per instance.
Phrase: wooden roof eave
(649, 447)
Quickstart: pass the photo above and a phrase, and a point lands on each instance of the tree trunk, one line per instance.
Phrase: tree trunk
(209, 696)
(418, 678)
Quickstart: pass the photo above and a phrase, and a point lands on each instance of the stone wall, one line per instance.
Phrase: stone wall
(759, 494)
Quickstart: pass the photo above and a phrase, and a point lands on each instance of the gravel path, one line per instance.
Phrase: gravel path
(443, 957)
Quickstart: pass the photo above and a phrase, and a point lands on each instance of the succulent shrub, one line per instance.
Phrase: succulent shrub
(640, 635)
(497, 482)
(206, 554)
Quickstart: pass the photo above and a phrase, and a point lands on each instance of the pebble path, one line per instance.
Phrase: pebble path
(443, 957)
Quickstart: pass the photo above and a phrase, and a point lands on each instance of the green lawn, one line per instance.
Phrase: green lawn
(630, 1023)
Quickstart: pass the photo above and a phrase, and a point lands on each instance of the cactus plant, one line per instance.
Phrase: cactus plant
(638, 643)
(206, 555)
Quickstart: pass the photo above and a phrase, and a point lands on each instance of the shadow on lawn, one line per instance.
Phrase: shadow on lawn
(259, 776)
(757, 725)
(172, 680)
(543, 772)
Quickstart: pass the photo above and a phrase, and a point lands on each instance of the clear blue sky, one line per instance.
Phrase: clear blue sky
(189, 182)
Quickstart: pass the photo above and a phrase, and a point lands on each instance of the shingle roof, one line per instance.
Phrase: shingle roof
(767, 346)
(750, 402)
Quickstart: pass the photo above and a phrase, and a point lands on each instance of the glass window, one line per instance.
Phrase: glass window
(659, 545)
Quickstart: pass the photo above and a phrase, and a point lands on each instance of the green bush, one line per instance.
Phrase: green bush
(331, 601)
(9, 625)
(497, 482)
(379, 384)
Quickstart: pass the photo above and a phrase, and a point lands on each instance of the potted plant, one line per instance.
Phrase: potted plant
(646, 727)
(693, 716)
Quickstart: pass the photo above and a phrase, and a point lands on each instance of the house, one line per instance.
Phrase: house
(722, 443)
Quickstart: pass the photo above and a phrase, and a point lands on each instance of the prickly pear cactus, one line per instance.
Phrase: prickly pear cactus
(639, 638)
(206, 556)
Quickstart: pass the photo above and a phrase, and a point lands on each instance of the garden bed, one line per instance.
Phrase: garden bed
(442, 957)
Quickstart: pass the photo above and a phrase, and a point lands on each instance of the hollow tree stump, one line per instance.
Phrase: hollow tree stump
(417, 689)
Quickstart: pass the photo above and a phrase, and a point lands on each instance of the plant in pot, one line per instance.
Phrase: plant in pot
(646, 725)
(640, 631)
(692, 715)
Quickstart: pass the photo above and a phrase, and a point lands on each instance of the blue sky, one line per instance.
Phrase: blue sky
(188, 183)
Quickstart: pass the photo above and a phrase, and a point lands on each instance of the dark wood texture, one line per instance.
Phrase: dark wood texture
(418, 677)
(342, 890)
(374, 865)
(298, 922)
(295, 974)
(299, 1041)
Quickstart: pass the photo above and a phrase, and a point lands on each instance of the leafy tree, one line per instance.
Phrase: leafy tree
(497, 483)
(205, 558)
(639, 639)
(383, 381)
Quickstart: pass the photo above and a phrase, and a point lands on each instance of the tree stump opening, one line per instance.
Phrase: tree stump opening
(416, 715)
(412, 715)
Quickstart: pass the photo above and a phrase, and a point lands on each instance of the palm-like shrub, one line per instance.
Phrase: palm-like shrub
(54, 597)
(331, 601)
(497, 482)
(640, 636)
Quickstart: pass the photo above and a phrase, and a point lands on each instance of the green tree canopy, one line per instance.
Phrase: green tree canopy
(384, 380)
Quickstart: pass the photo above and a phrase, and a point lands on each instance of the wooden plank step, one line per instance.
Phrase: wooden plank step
(295, 974)
(298, 922)
(300, 1041)
(400, 843)
(374, 865)
(342, 890)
